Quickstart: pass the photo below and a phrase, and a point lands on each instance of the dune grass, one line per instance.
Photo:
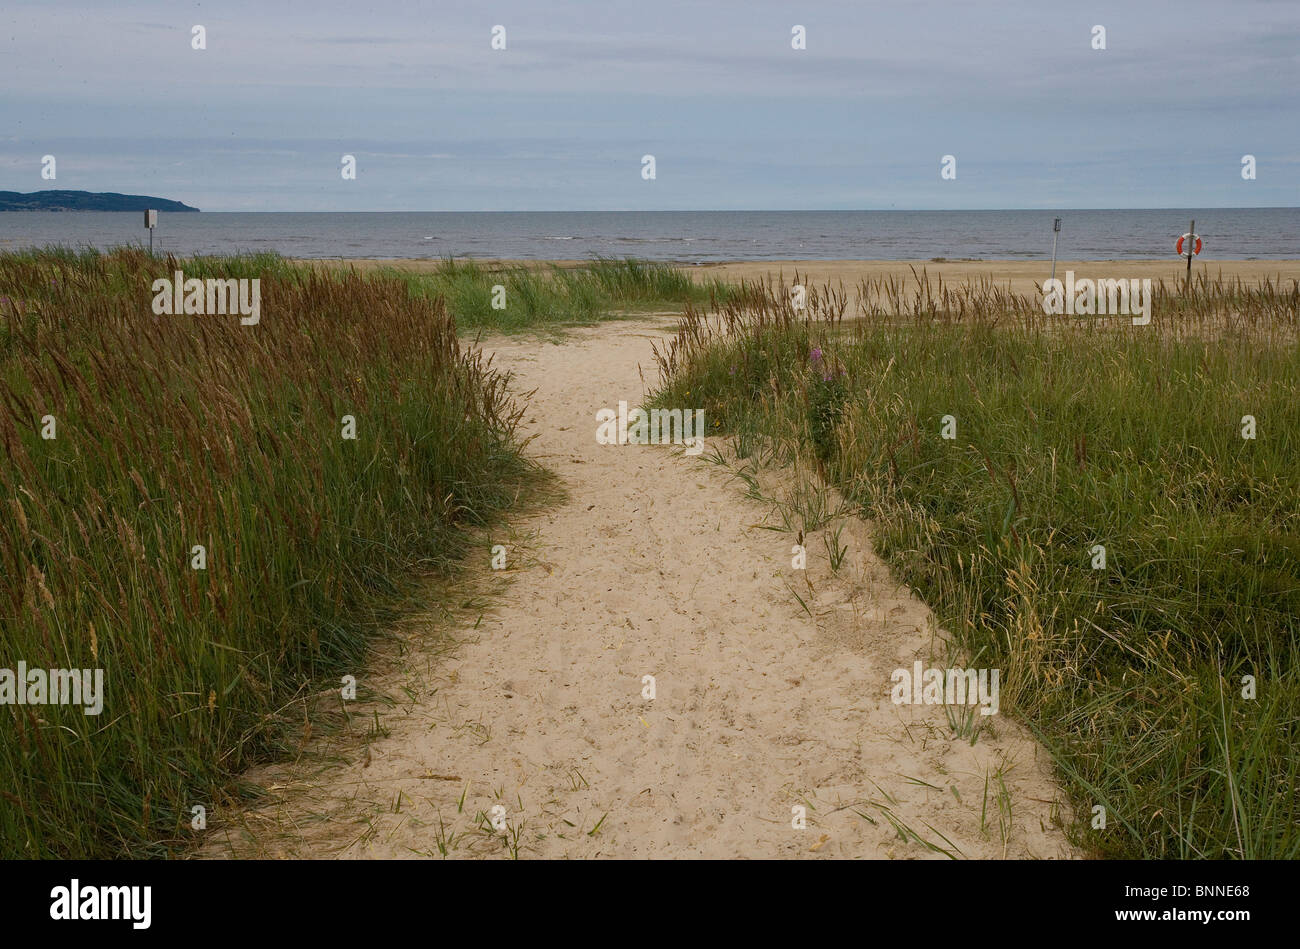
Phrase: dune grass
(1070, 435)
(552, 297)
(176, 432)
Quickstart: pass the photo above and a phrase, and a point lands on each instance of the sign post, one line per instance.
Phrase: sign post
(151, 221)
(1189, 245)
(1056, 229)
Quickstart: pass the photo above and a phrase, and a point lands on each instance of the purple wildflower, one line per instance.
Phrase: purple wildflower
(816, 355)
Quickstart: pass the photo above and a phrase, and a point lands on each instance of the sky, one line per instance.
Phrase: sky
(734, 116)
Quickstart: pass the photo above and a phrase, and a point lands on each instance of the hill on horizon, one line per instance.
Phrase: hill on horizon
(86, 201)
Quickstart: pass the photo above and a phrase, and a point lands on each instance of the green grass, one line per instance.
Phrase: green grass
(552, 297)
(177, 431)
(1069, 434)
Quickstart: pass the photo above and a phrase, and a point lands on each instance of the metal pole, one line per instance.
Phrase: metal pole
(1191, 247)
(1056, 229)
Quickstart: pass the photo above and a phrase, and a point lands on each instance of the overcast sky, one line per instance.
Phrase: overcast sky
(735, 117)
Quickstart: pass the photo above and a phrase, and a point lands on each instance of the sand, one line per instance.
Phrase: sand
(656, 564)
(1022, 276)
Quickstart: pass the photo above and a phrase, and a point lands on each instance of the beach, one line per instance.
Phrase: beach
(1021, 276)
(646, 683)
(559, 433)
(629, 649)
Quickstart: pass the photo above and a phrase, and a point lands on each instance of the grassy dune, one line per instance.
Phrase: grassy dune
(1070, 433)
(177, 431)
(553, 296)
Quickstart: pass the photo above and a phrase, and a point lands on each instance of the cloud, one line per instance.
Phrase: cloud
(735, 117)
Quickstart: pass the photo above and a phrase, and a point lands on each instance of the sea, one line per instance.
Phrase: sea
(679, 236)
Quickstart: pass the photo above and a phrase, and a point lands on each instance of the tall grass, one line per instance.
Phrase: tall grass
(177, 431)
(1070, 434)
(552, 296)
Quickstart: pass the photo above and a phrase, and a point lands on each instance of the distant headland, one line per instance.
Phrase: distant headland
(85, 201)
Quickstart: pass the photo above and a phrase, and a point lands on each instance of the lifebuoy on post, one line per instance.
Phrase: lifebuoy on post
(1178, 248)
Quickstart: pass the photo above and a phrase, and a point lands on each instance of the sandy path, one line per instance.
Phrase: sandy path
(654, 566)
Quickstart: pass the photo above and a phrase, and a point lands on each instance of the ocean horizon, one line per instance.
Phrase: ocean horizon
(678, 236)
